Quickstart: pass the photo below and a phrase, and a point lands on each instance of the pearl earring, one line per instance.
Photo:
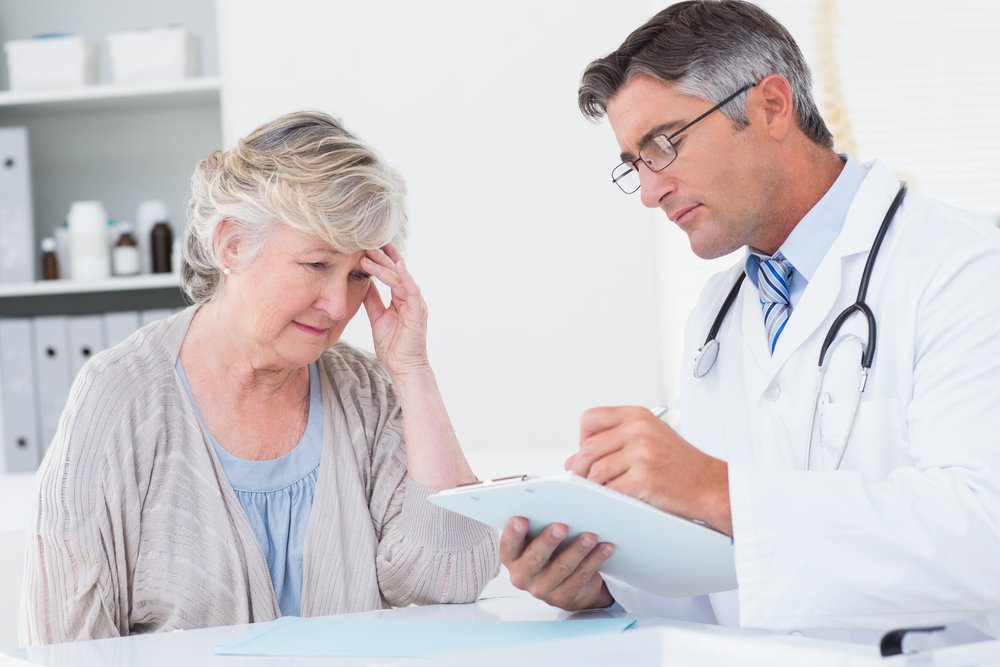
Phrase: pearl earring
(226, 271)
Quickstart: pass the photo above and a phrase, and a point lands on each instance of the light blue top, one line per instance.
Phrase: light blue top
(277, 496)
(813, 237)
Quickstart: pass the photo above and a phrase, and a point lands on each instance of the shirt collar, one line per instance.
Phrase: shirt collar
(814, 235)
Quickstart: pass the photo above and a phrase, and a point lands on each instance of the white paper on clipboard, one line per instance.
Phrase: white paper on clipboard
(658, 552)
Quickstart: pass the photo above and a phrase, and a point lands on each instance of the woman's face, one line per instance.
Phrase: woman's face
(294, 300)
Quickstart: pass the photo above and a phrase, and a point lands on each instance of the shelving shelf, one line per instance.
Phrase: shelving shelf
(69, 297)
(113, 284)
(99, 97)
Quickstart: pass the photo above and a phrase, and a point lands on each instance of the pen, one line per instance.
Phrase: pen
(659, 411)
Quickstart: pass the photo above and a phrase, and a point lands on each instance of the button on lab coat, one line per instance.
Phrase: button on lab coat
(907, 531)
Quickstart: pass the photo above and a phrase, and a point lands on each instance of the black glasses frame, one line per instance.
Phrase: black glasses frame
(669, 139)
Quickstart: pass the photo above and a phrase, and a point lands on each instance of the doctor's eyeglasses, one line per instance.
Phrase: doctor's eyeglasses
(659, 152)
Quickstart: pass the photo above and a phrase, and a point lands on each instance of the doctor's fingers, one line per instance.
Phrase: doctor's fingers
(513, 540)
(611, 466)
(643, 433)
(571, 579)
(592, 450)
(595, 420)
(534, 558)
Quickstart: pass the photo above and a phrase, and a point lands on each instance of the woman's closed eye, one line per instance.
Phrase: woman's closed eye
(360, 276)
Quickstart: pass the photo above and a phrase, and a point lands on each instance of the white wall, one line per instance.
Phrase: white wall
(538, 273)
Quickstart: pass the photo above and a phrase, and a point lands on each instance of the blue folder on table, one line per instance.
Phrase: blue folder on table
(334, 636)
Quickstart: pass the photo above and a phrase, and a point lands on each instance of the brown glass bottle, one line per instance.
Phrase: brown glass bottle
(50, 263)
(162, 242)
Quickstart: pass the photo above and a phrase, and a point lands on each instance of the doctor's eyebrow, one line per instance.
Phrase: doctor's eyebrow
(665, 128)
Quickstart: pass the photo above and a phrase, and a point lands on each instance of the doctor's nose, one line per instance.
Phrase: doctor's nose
(654, 186)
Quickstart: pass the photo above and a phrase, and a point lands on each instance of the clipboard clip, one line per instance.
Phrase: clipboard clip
(495, 480)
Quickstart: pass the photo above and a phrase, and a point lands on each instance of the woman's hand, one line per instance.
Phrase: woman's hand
(399, 330)
(433, 457)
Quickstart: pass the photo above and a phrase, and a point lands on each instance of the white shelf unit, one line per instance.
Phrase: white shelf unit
(116, 143)
(120, 144)
(111, 96)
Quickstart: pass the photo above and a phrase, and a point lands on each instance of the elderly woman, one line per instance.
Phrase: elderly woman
(235, 463)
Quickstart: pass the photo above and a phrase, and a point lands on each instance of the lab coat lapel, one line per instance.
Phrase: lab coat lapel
(829, 289)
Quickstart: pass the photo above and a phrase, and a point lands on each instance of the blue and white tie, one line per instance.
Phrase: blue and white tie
(773, 276)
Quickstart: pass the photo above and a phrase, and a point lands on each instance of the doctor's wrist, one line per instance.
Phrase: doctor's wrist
(716, 512)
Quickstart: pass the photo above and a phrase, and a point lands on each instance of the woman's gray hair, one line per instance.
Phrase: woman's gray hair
(708, 49)
(303, 170)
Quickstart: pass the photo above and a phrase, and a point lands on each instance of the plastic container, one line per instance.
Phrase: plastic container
(52, 61)
(152, 54)
(63, 251)
(90, 256)
(125, 259)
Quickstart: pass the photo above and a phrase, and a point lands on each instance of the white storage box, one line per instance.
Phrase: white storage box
(153, 54)
(50, 62)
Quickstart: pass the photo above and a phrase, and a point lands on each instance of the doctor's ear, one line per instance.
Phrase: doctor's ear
(771, 102)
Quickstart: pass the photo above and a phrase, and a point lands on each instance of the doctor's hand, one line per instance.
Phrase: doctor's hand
(567, 579)
(630, 450)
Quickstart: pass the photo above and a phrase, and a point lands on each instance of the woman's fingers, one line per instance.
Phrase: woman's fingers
(387, 275)
(373, 303)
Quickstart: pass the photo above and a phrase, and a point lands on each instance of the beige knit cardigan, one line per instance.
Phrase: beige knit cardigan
(136, 529)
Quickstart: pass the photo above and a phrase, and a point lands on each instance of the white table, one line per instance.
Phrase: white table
(652, 642)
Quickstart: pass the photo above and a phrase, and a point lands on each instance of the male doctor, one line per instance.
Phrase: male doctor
(858, 511)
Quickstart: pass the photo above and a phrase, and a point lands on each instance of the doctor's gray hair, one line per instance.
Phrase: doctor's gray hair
(303, 170)
(708, 49)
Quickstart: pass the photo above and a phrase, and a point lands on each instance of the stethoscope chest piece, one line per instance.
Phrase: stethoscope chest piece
(704, 358)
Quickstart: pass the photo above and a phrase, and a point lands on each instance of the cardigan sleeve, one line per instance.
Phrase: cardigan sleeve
(426, 554)
(75, 577)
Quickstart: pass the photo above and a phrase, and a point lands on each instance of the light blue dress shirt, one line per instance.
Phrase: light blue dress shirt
(277, 496)
(813, 237)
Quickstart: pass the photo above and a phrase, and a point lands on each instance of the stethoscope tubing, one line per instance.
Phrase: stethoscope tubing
(708, 353)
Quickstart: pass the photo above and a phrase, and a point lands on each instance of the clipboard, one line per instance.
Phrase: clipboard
(658, 552)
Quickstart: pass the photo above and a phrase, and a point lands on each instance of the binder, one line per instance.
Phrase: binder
(86, 338)
(119, 326)
(21, 451)
(17, 223)
(52, 372)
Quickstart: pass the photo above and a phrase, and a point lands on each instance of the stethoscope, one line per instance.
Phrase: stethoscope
(708, 353)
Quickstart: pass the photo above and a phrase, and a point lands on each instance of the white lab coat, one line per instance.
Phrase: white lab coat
(907, 532)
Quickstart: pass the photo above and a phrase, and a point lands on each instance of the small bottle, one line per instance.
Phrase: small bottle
(150, 212)
(50, 263)
(162, 242)
(125, 260)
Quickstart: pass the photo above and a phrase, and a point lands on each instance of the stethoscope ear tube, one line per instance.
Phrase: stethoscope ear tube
(704, 358)
(868, 353)
(860, 305)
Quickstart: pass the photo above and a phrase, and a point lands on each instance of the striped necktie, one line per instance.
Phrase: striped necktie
(773, 276)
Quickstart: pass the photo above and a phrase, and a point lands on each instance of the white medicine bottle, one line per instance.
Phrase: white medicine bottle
(125, 258)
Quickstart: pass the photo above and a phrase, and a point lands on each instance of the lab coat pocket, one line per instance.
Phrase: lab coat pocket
(877, 439)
